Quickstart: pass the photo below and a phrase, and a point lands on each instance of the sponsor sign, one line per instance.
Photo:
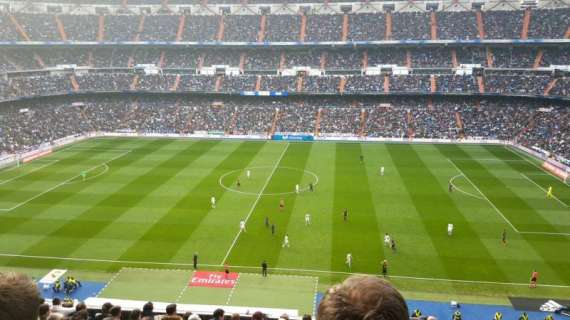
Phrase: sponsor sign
(213, 279)
(292, 137)
(34, 155)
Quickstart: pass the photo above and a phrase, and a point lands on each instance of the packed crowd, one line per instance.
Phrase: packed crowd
(506, 24)
(268, 59)
(509, 84)
(27, 124)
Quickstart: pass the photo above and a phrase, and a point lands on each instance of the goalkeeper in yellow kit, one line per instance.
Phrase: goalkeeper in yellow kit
(549, 192)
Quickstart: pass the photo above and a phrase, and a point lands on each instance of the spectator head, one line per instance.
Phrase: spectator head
(106, 307)
(171, 309)
(56, 302)
(218, 314)
(235, 316)
(115, 312)
(258, 315)
(19, 297)
(43, 311)
(363, 298)
(80, 306)
(148, 309)
(194, 317)
(307, 317)
(136, 314)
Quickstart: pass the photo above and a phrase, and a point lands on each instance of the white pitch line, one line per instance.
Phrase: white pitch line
(230, 295)
(488, 159)
(524, 158)
(61, 184)
(109, 282)
(460, 190)
(563, 234)
(315, 293)
(189, 265)
(259, 195)
(541, 188)
(186, 286)
(27, 173)
(485, 197)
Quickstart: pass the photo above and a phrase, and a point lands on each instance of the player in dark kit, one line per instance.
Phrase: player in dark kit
(226, 270)
(311, 188)
(238, 183)
(393, 245)
(504, 237)
(450, 187)
(272, 229)
(267, 222)
(385, 268)
(345, 214)
(264, 268)
(361, 158)
(195, 260)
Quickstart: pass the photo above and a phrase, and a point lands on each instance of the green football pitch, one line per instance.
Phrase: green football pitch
(145, 203)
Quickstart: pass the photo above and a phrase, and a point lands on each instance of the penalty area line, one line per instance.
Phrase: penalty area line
(27, 173)
(259, 195)
(541, 188)
(190, 265)
(62, 183)
(485, 197)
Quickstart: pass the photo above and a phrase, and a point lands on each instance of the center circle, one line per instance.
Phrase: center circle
(259, 177)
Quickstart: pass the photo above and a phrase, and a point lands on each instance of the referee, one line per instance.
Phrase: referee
(264, 269)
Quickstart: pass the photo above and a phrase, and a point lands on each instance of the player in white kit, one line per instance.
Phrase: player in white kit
(248, 174)
(349, 261)
(297, 188)
(307, 219)
(286, 241)
(449, 229)
(387, 240)
(382, 171)
(242, 226)
(213, 201)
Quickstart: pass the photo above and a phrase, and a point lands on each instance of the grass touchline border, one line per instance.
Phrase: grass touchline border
(180, 264)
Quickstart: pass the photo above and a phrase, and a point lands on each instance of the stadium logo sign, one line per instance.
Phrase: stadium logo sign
(213, 279)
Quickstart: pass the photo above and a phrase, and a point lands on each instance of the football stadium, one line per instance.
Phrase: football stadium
(298, 159)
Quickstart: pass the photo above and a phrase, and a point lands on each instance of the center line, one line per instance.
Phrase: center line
(259, 195)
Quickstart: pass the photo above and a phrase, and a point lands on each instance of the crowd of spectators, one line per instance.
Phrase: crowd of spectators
(26, 124)
(493, 83)
(268, 59)
(451, 25)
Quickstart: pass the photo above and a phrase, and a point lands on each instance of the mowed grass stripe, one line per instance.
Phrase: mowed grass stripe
(540, 176)
(87, 225)
(267, 246)
(15, 218)
(513, 207)
(17, 187)
(319, 203)
(171, 232)
(436, 209)
(551, 248)
(359, 235)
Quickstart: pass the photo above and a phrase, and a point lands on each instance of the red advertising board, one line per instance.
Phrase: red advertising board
(213, 279)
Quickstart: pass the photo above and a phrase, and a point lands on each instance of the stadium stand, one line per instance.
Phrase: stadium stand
(92, 83)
